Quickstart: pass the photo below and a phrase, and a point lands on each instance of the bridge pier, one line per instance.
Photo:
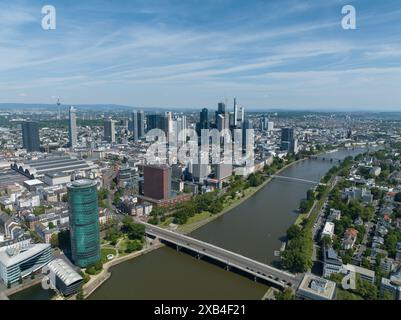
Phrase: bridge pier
(178, 248)
(228, 268)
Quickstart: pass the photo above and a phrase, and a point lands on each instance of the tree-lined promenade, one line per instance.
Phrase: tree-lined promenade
(298, 254)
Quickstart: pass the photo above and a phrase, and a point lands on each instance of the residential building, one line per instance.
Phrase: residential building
(349, 239)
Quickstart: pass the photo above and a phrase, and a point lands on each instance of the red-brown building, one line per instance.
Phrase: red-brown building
(157, 182)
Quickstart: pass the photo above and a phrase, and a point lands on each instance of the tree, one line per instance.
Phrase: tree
(287, 294)
(64, 198)
(366, 289)
(134, 230)
(54, 242)
(293, 232)
(133, 246)
(80, 295)
(51, 225)
(397, 197)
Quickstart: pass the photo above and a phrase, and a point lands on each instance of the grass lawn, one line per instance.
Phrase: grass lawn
(106, 251)
(195, 219)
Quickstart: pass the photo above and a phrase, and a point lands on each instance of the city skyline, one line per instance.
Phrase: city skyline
(292, 55)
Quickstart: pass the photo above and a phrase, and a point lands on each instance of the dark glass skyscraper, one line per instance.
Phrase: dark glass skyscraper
(84, 222)
(138, 122)
(30, 136)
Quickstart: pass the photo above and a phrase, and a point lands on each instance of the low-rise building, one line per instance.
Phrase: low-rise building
(365, 274)
(316, 288)
(20, 260)
(328, 230)
(64, 278)
(349, 239)
(332, 263)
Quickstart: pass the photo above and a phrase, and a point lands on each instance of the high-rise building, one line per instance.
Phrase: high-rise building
(141, 124)
(138, 122)
(221, 108)
(246, 132)
(157, 182)
(201, 170)
(287, 134)
(270, 126)
(154, 121)
(220, 122)
(135, 126)
(30, 136)
(72, 126)
(235, 112)
(181, 129)
(288, 141)
(241, 116)
(84, 222)
(110, 130)
(203, 121)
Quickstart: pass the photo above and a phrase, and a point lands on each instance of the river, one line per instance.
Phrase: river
(254, 229)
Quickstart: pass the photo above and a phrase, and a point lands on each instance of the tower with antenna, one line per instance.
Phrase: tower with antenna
(59, 111)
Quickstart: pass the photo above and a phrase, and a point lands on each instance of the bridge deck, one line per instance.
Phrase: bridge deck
(294, 179)
(250, 266)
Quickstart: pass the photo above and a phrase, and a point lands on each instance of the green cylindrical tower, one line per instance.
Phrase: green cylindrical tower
(84, 222)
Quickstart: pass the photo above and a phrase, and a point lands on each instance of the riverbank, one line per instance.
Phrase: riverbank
(192, 226)
(97, 280)
(105, 274)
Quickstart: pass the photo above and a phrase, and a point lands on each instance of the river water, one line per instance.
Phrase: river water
(254, 229)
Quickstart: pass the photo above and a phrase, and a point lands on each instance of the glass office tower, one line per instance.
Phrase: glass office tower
(84, 222)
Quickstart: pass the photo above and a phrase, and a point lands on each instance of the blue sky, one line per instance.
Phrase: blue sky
(269, 54)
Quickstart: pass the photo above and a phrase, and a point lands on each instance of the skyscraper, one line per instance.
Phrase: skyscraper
(157, 182)
(246, 132)
(181, 128)
(241, 115)
(141, 124)
(110, 130)
(154, 121)
(235, 112)
(30, 136)
(84, 222)
(220, 122)
(72, 126)
(221, 110)
(287, 134)
(135, 128)
(203, 121)
(288, 141)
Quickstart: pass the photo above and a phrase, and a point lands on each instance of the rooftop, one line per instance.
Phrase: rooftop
(64, 271)
(10, 256)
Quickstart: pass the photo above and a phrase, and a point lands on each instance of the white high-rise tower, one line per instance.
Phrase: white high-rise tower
(72, 127)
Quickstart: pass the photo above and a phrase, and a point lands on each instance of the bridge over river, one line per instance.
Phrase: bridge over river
(258, 270)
